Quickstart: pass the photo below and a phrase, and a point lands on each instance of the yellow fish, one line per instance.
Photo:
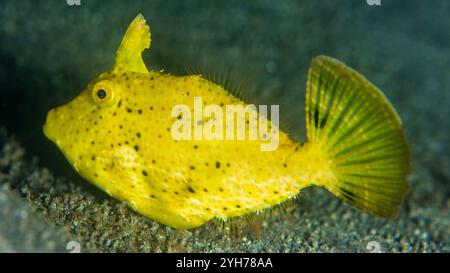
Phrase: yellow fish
(118, 135)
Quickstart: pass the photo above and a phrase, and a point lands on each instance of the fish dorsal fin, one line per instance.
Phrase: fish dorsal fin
(135, 40)
(241, 88)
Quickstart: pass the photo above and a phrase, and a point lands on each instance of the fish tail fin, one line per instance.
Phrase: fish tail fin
(359, 131)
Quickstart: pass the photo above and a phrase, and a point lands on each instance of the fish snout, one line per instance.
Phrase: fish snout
(52, 122)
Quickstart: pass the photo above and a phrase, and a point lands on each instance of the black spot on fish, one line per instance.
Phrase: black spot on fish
(217, 164)
(191, 190)
(144, 173)
(349, 195)
(323, 121)
(316, 116)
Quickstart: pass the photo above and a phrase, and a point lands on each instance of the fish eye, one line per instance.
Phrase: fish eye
(103, 93)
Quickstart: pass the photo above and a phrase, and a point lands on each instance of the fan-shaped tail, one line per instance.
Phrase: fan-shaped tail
(361, 134)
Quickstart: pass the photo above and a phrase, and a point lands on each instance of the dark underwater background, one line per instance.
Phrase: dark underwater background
(49, 51)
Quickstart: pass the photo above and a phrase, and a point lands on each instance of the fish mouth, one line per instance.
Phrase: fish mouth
(48, 126)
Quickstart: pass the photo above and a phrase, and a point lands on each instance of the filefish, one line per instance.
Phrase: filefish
(118, 134)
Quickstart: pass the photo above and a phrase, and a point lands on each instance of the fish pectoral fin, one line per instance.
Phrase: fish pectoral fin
(136, 39)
